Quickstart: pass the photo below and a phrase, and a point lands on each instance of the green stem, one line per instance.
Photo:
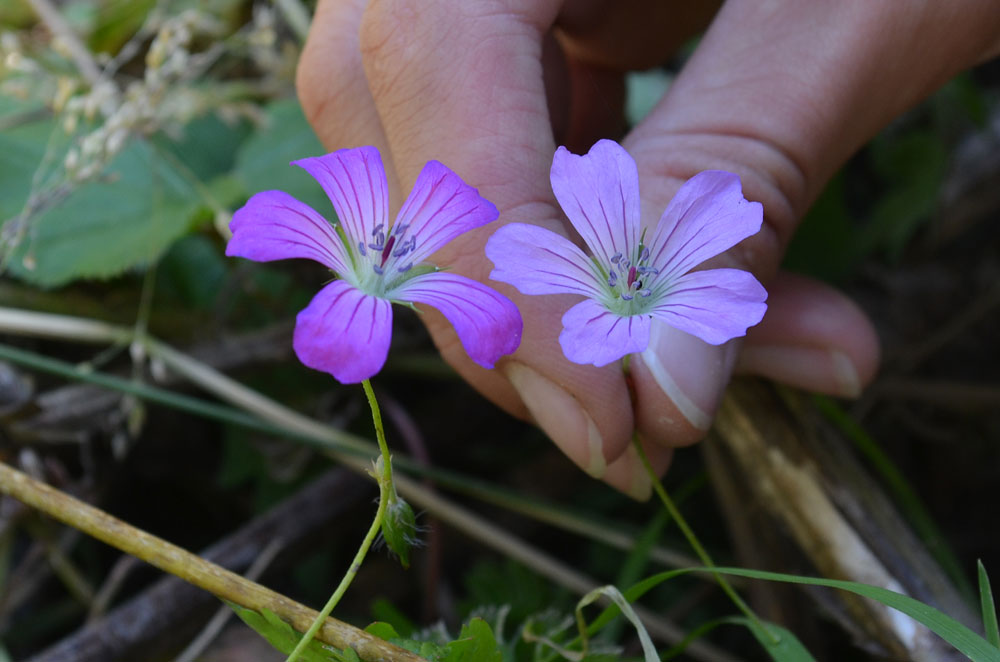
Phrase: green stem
(692, 539)
(380, 437)
(386, 494)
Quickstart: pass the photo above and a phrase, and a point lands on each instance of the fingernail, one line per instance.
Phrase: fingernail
(627, 474)
(689, 371)
(560, 416)
(814, 368)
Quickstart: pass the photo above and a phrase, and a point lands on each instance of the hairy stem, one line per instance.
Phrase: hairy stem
(385, 492)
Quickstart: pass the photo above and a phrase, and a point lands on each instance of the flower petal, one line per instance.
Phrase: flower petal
(539, 261)
(487, 322)
(354, 180)
(715, 305)
(599, 192)
(439, 208)
(593, 334)
(274, 226)
(344, 332)
(708, 215)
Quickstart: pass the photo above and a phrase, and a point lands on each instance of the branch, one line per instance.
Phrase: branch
(191, 568)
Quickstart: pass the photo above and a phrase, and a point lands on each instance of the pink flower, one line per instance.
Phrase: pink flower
(347, 327)
(627, 283)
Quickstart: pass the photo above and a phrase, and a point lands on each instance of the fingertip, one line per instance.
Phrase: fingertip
(628, 473)
(678, 382)
(812, 337)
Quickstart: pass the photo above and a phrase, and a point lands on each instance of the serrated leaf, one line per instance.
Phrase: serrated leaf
(126, 219)
(284, 637)
(475, 643)
(989, 607)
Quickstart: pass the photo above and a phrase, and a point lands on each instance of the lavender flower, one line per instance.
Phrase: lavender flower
(628, 283)
(347, 327)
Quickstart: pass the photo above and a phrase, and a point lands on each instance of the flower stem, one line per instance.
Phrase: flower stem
(692, 539)
(386, 494)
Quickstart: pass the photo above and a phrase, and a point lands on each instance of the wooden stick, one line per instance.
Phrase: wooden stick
(192, 568)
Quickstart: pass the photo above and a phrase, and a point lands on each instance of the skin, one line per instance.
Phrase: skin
(780, 92)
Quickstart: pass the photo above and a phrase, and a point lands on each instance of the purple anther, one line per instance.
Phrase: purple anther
(615, 258)
(405, 268)
(644, 293)
(387, 251)
(361, 248)
(612, 278)
(626, 297)
(377, 269)
(645, 255)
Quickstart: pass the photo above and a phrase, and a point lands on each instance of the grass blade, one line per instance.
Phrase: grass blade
(989, 607)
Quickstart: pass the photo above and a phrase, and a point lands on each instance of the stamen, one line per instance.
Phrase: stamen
(615, 258)
(406, 268)
(612, 278)
(647, 270)
(361, 249)
(626, 297)
(377, 229)
(377, 269)
(645, 255)
(644, 293)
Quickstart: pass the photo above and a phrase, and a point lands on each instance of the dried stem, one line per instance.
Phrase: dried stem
(192, 568)
(60, 28)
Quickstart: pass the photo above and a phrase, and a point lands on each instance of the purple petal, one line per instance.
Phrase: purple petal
(599, 193)
(716, 305)
(354, 180)
(274, 226)
(539, 261)
(593, 334)
(487, 322)
(708, 215)
(344, 332)
(440, 207)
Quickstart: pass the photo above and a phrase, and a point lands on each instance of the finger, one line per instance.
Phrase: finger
(466, 87)
(628, 474)
(331, 84)
(812, 337)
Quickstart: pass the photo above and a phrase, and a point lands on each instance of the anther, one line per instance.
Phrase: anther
(615, 258)
(377, 269)
(361, 248)
(405, 268)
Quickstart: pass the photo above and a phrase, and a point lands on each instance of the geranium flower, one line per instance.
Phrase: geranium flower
(629, 283)
(346, 329)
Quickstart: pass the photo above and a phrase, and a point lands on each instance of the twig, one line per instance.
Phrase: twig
(245, 398)
(220, 582)
(60, 28)
(297, 17)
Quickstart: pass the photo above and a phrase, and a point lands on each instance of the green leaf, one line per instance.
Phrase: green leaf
(475, 643)
(382, 630)
(126, 219)
(648, 650)
(284, 637)
(263, 161)
(989, 607)
(781, 645)
(952, 631)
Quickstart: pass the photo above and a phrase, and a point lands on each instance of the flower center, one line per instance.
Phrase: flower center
(385, 254)
(628, 281)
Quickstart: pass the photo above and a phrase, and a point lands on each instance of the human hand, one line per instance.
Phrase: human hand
(779, 94)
